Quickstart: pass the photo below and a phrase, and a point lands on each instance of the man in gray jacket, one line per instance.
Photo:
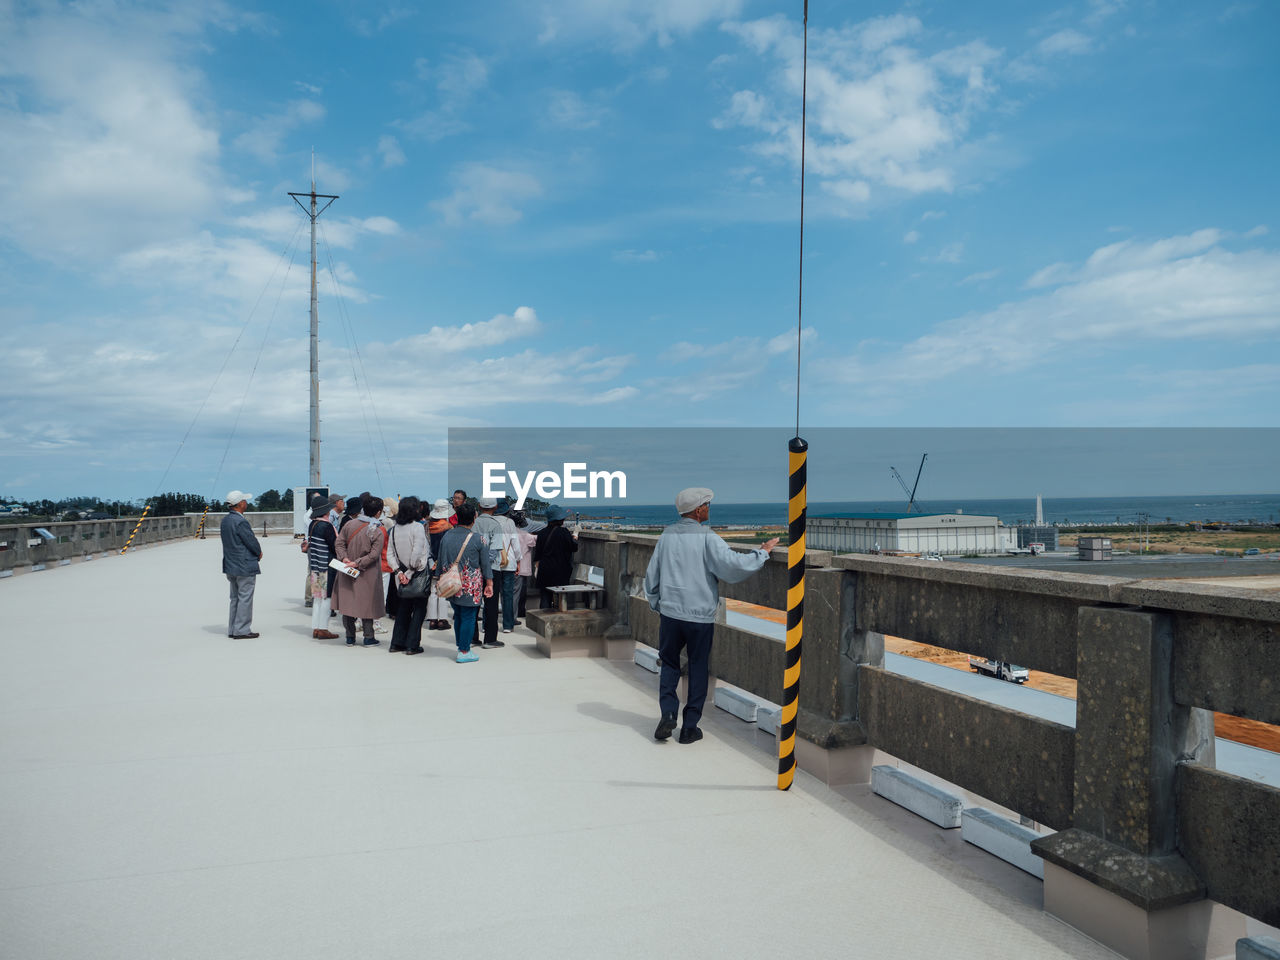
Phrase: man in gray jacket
(240, 555)
(682, 586)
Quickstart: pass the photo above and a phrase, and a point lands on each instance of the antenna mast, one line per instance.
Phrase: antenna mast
(314, 214)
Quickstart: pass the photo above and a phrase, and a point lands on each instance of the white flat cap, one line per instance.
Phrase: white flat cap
(692, 498)
(235, 496)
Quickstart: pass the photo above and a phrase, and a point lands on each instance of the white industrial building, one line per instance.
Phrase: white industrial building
(946, 534)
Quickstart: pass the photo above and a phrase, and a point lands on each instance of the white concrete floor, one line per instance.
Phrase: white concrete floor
(168, 792)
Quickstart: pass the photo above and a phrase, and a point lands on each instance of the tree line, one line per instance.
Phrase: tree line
(171, 504)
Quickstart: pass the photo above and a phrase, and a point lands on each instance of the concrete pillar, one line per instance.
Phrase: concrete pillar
(831, 742)
(1116, 874)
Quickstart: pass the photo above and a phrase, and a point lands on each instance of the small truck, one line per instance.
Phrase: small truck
(999, 669)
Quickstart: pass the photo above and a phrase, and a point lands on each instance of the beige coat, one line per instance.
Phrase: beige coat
(361, 544)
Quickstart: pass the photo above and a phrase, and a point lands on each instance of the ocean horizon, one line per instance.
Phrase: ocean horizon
(1236, 508)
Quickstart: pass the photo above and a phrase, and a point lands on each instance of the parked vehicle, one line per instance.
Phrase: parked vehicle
(1000, 669)
(1252, 552)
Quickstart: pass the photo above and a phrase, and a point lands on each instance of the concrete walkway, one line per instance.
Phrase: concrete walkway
(168, 792)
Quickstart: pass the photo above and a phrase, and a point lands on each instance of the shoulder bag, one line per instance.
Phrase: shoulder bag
(450, 582)
(419, 584)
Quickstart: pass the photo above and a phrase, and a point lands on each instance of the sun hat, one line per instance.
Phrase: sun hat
(320, 505)
(235, 496)
(390, 507)
(556, 512)
(691, 498)
(442, 509)
(503, 507)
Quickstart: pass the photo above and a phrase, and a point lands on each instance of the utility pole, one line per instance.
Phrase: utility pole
(314, 214)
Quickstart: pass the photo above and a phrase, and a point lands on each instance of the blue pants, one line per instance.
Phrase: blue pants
(673, 636)
(507, 581)
(464, 625)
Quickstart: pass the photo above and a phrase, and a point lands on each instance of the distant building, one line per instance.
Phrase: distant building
(13, 509)
(1031, 533)
(952, 534)
(1094, 548)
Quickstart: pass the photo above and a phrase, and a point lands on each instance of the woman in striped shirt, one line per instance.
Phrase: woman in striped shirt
(321, 538)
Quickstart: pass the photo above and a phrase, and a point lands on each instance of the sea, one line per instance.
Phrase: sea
(1065, 511)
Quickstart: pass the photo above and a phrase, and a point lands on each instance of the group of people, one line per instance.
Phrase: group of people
(392, 555)
(469, 547)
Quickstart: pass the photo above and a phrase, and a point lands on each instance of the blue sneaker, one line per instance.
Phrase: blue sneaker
(469, 657)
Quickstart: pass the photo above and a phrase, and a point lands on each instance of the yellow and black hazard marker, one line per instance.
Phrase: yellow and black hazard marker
(203, 517)
(797, 510)
(129, 542)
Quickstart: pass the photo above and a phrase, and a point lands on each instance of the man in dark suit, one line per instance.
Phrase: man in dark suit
(241, 554)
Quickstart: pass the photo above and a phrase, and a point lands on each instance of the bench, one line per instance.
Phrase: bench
(586, 595)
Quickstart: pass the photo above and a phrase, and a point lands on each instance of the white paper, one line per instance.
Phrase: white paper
(343, 568)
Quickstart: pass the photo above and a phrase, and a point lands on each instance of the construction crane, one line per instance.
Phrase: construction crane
(911, 494)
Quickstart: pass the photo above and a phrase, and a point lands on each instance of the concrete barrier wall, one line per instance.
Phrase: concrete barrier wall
(74, 541)
(269, 521)
(1143, 788)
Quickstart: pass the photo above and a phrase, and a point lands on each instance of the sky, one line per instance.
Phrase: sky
(586, 214)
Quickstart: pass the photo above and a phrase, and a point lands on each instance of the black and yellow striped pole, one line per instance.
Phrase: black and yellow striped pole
(129, 542)
(797, 503)
(200, 529)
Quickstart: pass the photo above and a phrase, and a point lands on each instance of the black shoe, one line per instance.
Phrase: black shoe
(665, 726)
(371, 642)
(515, 623)
(410, 653)
(351, 641)
(492, 644)
(395, 649)
(690, 735)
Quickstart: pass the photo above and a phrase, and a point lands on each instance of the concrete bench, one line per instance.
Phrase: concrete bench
(1258, 948)
(1009, 841)
(922, 799)
(591, 597)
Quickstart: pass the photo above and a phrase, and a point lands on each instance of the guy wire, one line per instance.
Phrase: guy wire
(804, 97)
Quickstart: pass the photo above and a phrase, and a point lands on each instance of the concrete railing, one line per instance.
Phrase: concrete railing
(263, 522)
(1141, 811)
(22, 548)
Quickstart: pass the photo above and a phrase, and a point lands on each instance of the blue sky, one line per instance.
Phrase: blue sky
(585, 214)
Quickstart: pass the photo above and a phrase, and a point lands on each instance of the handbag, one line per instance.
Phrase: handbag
(450, 582)
(419, 584)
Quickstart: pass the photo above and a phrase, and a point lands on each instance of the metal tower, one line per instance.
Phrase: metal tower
(313, 213)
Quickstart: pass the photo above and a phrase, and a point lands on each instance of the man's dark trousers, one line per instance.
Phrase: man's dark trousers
(490, 619)
(673, 636)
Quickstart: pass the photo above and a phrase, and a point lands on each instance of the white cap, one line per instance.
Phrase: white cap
(692, 498)
(235, 496)
(487, 503)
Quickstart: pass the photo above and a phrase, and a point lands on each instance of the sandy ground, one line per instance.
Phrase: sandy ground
(1251, 732)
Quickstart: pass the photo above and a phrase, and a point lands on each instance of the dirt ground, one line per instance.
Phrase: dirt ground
(1251, 732)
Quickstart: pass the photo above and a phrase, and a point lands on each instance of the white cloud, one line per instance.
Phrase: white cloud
(630, 23)
(951, 253)
(636, 256)
(1178, 288)
(488, 194)
(567, 109)
(389, 150)
(1065, 42)
(932, 215)
(265, 135)
(458, 79)
(106, 146)
(882, 115)
(498, 331)
(1259, 231)
(982, 277)
(911, 236)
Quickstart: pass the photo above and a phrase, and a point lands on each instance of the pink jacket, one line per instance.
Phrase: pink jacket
(527, 541)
